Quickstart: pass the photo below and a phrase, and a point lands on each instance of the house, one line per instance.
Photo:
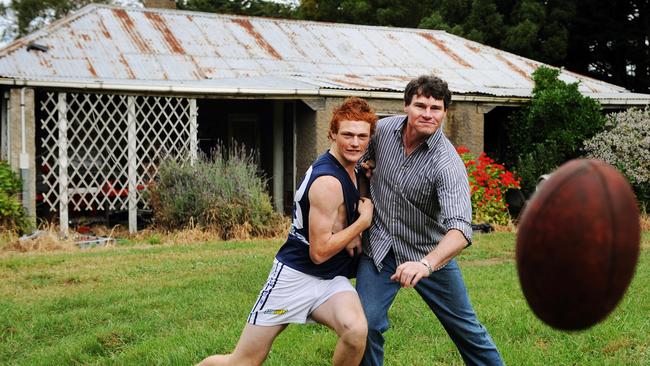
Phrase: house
(94, 101)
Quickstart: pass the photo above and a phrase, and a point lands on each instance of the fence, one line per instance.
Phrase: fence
(101, 151)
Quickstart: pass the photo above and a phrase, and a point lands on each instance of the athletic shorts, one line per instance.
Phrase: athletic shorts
(290, 296)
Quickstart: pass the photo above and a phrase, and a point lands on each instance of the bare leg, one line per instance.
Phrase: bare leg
(344, 314)
(253, 347)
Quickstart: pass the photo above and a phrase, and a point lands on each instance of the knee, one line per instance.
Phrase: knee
(354, 334)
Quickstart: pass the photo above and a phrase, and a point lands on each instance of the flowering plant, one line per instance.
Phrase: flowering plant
(625, 144)
(488, 182)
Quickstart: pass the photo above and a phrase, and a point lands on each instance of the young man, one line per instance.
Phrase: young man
(309, 279)
(422, 220)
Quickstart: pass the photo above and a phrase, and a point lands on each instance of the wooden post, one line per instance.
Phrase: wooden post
(62, 107)
(132, 170)
(278, 156)
(194, 146)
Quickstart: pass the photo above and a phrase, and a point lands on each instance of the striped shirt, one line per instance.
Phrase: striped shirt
(417, 198)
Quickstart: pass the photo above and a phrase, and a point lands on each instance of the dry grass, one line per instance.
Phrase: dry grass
(645, 222)
(48, 238)
(510, 228)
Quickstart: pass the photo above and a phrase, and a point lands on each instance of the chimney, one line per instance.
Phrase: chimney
(161, 4)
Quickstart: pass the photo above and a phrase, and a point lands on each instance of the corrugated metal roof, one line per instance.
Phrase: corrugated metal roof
(103, 45)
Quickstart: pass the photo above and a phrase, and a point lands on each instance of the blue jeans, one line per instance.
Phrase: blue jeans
(444, 291)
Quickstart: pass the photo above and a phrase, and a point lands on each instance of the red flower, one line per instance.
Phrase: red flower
(488, 183)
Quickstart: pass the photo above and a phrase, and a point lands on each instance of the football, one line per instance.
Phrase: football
(578, 244)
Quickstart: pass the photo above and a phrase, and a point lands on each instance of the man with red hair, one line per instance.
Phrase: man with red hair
(309, 279)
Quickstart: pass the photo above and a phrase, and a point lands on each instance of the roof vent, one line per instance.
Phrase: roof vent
(37, 47)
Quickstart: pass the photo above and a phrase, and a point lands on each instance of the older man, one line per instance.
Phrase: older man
(422, 220)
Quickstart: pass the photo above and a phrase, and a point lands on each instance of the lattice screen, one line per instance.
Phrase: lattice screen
(102, 150)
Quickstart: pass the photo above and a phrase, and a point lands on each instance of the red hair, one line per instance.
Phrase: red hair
(353, 109)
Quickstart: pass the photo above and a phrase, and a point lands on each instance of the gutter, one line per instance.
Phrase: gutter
(247, 92)
(278, 92)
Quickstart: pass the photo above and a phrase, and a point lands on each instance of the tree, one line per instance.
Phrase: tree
(550, 130)
(605, 39)
(531, 28)
(240, 7)
(609, 40)
(406, 13)
(33, 14)
(21, 17)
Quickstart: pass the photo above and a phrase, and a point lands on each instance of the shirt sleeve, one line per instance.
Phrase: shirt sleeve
(455, 201)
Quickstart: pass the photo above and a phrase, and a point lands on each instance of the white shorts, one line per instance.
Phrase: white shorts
(290, 296)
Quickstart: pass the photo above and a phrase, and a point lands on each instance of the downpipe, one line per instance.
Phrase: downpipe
(24, 157)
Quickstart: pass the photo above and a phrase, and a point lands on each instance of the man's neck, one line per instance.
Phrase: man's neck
(348, 166)
(411, 139)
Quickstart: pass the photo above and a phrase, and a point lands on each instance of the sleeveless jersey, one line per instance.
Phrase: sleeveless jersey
(295, 251)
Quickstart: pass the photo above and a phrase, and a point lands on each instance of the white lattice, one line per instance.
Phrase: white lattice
(103, 151)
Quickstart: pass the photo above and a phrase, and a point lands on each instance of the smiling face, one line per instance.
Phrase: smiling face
(350, 142)
(425, 115)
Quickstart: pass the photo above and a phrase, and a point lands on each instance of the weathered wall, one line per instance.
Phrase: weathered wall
(15, 146)
(464, 124)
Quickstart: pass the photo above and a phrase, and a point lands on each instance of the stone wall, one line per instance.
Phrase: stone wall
(464, 124)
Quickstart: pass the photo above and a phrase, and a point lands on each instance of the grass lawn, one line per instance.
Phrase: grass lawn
(174, 305)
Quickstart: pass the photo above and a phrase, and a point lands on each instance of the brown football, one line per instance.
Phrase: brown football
(578, 244)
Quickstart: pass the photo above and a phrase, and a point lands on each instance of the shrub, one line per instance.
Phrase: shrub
(542, 159)
(551, 128)
(12, 215)
(625, 144)
(488, 183)
(219, 191)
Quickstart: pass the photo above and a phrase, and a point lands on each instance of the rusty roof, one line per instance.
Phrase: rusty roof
(105, 46)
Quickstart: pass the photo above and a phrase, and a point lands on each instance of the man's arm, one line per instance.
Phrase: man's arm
(325, 198)
(454, 196)
(409, 273)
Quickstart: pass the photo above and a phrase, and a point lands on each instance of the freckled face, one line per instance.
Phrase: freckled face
(351, 141)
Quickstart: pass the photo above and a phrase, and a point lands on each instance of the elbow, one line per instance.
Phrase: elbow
(316, 257)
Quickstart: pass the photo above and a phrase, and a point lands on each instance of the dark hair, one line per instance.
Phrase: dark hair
(428, 86)
(353, 109)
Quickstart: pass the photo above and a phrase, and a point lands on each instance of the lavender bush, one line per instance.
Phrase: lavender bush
(221, 191)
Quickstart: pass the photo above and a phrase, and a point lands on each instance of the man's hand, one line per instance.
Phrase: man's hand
(368, 166)
(410, 273)
(365, 209)
(354, 247)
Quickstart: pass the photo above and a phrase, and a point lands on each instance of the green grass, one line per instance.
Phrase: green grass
(174, 305)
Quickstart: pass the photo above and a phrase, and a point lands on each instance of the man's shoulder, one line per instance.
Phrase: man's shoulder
(326, 192)
(391, 122)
